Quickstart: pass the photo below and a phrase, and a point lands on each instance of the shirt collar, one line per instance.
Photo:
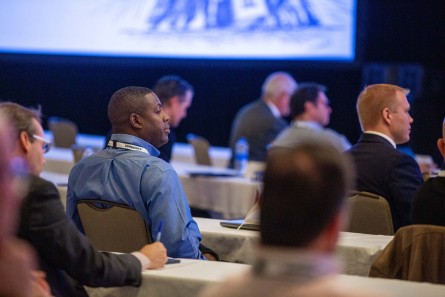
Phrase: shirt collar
(308, 125)
(289, 263)
(382, 135)
(274, 109)
(126, 138)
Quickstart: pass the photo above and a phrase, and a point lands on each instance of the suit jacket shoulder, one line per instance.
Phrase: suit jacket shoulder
(257, 123)
(429, 202)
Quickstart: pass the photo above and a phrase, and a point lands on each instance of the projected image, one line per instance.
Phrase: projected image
(217, 29)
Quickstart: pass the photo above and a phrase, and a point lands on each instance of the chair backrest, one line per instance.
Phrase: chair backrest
(369, 213)
(64, 131)
(416, 253)
(201, 149)
(113, 227)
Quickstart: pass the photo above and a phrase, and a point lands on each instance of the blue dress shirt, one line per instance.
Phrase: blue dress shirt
(147, 183)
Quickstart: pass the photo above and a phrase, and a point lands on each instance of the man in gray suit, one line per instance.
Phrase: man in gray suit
(261, 121)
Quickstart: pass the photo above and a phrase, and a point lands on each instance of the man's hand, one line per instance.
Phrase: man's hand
(210, 257)
(157, 253)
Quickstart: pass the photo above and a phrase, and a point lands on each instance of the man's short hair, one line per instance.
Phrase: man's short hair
(304, 190)
(373, 99)
(306, 92)
(124, 102)
(171, 85)
(20, 117)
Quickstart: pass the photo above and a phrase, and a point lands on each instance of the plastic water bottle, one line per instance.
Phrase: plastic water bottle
(241, 154)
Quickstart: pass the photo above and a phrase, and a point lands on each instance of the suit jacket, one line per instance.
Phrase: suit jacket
(429, 202)
(259, 126)
(415, 253)
(64, 253)
(386, 171)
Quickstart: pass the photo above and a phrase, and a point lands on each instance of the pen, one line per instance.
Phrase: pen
(159, 233)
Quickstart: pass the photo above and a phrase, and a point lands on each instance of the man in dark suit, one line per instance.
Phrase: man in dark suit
(176, 97)
(429, 201)
(261, 121)
(18, 261)
(66, 256)
(383, 111)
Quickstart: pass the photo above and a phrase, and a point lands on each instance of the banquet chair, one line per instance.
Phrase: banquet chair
(369, 213)
(113, 227)
(64, 131)
(416, 253)
(201, 149)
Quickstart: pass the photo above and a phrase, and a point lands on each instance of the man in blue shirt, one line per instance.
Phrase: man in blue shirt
(129, 172)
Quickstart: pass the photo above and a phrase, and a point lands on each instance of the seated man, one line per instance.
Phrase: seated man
(129, 172)
(310, 111)
(64, 253)
(176, 97)
(383, 111)
(18, 260)
(261, 121)
(429, 201)
(302, 213)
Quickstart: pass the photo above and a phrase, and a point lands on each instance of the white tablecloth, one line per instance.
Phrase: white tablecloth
(184, 279)
(59, 160)
(356, 251)
(190, 276)
(225, 197)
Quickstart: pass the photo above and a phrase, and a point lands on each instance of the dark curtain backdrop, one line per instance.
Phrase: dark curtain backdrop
(396, 31)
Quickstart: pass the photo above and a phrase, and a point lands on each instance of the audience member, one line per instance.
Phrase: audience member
(17, 259)
(261, 121)
(129, 172)
(176, 97)
(65, 255)
(302, 213)
(429, 201)
(383, 112)
(310, 111)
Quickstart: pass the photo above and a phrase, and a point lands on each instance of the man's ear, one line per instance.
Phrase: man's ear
(441, 146)
(135, 121)
(24, 142)
(386, 115)
(309, 106)
(172, 102)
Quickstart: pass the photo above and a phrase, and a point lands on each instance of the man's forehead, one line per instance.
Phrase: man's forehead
(36, 124)
(152, 99)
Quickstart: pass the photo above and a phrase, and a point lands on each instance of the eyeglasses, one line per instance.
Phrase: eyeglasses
(46, 146)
